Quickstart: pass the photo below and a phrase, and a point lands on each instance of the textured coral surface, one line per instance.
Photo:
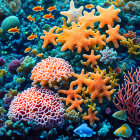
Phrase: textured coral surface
(38, 104)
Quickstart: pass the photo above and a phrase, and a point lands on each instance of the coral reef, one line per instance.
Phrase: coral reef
(38, 104)
(51, 71)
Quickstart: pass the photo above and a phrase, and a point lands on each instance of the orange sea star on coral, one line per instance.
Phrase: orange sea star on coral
(107, 15)
(81, 79)
(91, 59)
(96, 85)
(75, 38)
(114, 35)
(88, 19)
(91, 116)
(97, 40)
(49, 37)
(72, 94)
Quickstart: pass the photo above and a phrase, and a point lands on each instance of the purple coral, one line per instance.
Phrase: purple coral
(2, 61)
(13, 66)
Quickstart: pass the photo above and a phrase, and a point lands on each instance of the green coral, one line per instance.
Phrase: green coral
(27, 64)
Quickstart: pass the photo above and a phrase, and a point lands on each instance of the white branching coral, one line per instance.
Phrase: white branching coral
(108, 55)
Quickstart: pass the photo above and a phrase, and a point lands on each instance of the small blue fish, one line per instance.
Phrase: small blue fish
(84, 131)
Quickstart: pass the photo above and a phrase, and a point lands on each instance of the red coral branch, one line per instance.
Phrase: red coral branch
(128, 97)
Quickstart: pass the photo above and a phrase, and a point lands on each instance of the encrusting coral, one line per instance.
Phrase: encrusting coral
(96, 85)
(72, 94)
(64, 26)
(108, 55)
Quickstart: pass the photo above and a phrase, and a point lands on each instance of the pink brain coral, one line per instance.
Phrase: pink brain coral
(39, 105)
(51, 71)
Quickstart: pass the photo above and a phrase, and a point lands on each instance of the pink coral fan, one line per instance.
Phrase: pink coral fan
(51, 71)
(13, 66)
(2, 61)
(39, 105)
(128, 97)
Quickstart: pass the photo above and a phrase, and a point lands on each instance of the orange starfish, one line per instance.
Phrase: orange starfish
(91, 116)
(91, 59)
(96, 86)
(49, 37)
(98, 39)
(88, 19)
(72, 94)
(82, 78)
(77, 37)
(114, 35)
(107, 15)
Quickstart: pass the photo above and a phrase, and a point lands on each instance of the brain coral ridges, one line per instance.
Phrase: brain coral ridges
(39, 105)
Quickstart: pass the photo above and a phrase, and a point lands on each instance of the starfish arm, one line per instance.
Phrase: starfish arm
(80, 10)
(115, 42)
(53, 42)
(65, 13)
(45, 44)
(52, 29)
(72, 7)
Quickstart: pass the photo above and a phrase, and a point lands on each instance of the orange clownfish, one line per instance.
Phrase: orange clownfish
(27, 49)
(89, 6)
(38, 8)
(14, 30)
(51, 8)
(31, 37)
(31, 19)
(47, 16)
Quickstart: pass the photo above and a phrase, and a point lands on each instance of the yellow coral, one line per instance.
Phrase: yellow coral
(3, 72)
(72, 115)
(64, 26)
(132, 49)
(18, 80)
(12, 92)
(2, 110)
(118, 3)
(9, 124)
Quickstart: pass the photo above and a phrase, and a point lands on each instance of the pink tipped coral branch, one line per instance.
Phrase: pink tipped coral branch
(128, 97)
